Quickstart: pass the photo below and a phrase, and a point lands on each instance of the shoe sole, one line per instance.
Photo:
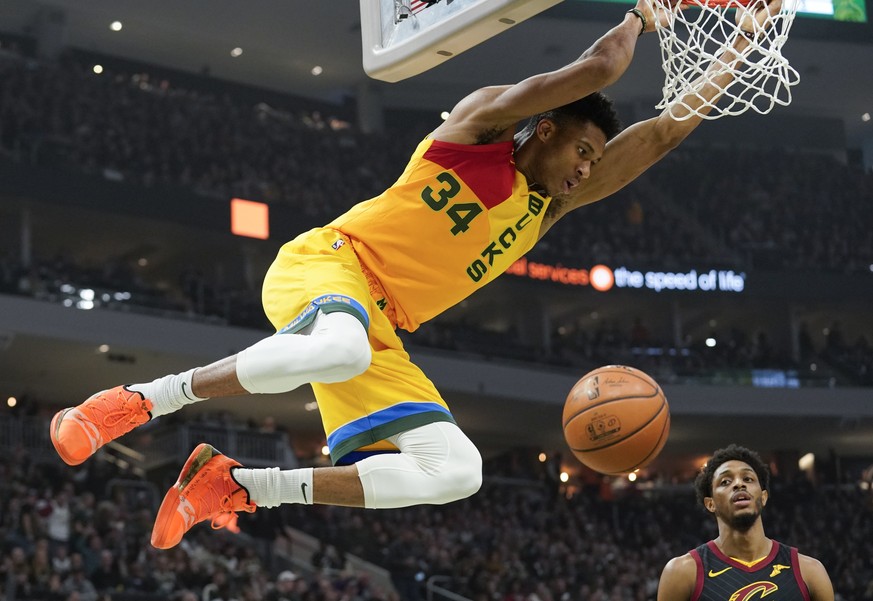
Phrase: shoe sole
(199, 457)
(53, 430)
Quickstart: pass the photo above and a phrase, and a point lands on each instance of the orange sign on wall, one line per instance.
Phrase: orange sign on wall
(249, 218)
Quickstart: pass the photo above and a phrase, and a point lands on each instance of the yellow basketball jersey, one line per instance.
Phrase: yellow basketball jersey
(458, 217)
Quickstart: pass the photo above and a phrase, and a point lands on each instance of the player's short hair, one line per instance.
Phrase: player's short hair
(703, 482)
(596, 108)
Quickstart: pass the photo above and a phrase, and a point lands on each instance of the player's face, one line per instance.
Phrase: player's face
(737, 498)
(571, 151)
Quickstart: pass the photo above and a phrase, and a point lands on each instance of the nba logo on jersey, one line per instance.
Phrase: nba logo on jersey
(338, 244)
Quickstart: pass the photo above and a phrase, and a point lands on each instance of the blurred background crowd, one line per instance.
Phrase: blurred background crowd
(82, 535)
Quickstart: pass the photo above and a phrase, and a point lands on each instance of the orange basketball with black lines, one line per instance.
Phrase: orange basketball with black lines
(616, 419)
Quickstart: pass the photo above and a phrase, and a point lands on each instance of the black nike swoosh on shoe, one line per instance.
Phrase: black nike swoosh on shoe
(303, 490)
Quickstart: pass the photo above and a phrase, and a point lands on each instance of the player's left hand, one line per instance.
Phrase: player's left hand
(657, 12)
(755, 19)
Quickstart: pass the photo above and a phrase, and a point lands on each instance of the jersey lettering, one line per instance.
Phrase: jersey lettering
(490, 252)
(477, 269)
(461, 213)
(444, 194)
(507, 237)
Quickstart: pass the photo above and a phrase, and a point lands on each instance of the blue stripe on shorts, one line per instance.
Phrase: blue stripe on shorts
(382, 417)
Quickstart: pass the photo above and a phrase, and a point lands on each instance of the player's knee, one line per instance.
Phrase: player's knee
(446, 486)
(466, 479)
(348, 356)
(437, 464)
(462, 476)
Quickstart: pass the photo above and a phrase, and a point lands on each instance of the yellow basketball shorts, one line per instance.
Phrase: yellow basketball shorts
(319, 270)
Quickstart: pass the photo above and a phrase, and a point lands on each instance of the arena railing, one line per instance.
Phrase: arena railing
(156, 447)
(435, 592)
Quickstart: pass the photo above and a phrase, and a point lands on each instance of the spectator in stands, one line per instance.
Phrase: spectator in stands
(107, 575)
(139, 579)
(77, 582)
(328, 558)
(164, 574)
(285, 588)
(62, 563)
(220, 588)
(404, 558)
(40, 565)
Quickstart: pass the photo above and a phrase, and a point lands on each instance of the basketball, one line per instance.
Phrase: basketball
(616, 419)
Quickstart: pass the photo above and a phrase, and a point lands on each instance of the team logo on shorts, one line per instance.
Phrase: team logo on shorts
(336, 245)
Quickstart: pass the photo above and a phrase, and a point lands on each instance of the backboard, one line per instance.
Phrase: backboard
(402, 38)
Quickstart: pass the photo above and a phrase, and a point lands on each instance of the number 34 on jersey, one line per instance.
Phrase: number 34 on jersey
(462, 214)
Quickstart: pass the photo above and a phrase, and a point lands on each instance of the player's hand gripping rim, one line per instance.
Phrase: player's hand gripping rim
(755, 19)
(657, 13)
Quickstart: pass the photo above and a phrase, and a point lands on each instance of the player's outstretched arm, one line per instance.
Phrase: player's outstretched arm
(817, 580)
(678, 579)
(645, 143)
(497, 109)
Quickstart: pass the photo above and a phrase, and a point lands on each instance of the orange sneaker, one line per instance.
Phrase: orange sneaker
(77, 432)
(205, 490)
(227, 520)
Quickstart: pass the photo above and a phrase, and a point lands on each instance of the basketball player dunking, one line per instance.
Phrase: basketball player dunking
(475, 196)
(742, 563)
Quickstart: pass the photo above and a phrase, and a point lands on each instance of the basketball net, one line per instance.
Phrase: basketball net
(696, 38)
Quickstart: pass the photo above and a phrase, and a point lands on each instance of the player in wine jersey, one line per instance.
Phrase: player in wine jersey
(476, 195)
(742, 563)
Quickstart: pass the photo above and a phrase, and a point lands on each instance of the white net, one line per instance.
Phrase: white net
(698, 36)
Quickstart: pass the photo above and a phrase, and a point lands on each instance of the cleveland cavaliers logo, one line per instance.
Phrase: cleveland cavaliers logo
(748, 592)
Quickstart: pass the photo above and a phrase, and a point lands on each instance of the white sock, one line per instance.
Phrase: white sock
(168, 394)
(270, 487)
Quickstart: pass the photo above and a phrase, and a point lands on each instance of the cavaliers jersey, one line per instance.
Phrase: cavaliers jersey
(457, 217)
(776, 577)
